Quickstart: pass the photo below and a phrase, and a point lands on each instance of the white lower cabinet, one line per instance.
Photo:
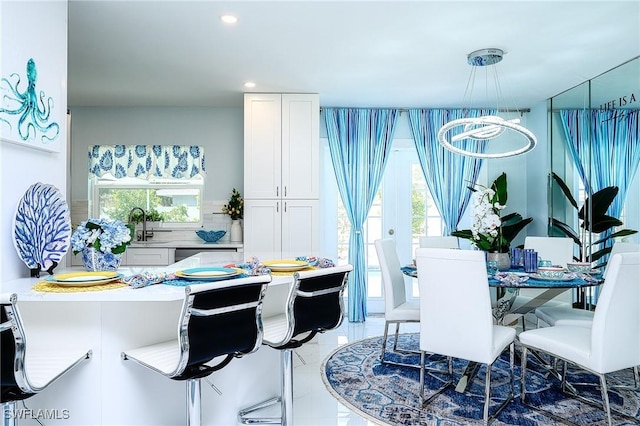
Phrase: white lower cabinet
(148, 256)
(279, 229)
(139, 256)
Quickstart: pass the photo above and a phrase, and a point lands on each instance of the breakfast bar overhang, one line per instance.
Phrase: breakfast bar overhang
(107, 390)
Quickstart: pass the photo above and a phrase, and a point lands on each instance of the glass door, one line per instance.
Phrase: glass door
(403, 211)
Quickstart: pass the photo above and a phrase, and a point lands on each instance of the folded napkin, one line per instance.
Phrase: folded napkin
(410, 270)
(589, 278)
(514, 280)
(147, 278)
(253, 266)
(318, 262)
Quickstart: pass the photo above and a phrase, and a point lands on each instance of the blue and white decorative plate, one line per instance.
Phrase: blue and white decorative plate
(42, 228)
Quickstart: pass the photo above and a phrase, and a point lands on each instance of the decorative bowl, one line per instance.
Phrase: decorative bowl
(551, 272)
(210, 236)
(583, 267)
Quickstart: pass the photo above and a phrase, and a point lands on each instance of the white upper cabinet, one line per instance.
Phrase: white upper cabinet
(262, 145)
(300, 146)
(281, 146)
(281, 175)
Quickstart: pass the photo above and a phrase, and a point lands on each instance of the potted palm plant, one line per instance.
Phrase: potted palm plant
(593, 218)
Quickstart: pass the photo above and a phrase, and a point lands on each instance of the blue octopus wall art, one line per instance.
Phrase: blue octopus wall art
(30, 109)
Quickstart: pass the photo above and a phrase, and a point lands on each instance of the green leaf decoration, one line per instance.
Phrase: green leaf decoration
(619, 234)
(566, 230)
(593, 217)
(500, 187)
(565, 190)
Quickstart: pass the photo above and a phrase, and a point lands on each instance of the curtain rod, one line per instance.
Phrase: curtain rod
(520, 110)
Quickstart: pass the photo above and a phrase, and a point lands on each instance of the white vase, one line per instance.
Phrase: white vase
(235, 233)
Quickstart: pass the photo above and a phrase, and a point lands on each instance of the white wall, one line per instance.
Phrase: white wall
(43, 29)
(218, 130)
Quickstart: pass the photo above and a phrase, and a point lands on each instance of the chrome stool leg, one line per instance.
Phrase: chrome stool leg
(287, 387)
(9, 413)
(194, 413)
(285, 399)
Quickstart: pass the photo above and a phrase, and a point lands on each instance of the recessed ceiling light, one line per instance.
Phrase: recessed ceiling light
(250, 84)
(228, 19)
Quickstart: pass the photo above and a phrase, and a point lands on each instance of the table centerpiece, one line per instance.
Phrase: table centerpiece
(490, 231)
(102, 243)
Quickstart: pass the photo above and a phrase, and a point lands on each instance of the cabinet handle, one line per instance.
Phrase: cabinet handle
(277, 206)
(285, 206)
(277, 191)
(285, 191)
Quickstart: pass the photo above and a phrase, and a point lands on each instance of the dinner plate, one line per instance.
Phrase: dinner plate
(85, 276)
(565, 277)
(83, 279)
(208, 274)
(286, 265)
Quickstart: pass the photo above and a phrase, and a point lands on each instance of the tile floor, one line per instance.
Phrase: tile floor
(313, 404)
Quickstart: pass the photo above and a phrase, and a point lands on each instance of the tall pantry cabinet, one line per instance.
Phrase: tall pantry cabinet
(281, 175)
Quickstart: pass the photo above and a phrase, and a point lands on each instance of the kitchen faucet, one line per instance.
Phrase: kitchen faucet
(144, 222)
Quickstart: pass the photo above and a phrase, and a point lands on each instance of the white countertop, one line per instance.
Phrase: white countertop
(187, 244)
(158, 292)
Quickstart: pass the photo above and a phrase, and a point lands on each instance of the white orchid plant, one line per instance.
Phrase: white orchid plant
(490, 231)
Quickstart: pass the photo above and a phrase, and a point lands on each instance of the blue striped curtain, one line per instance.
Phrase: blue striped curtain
(447, 174)
(606, 143)
(359, 142)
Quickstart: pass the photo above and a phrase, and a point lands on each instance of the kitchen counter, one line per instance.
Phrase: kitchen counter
(23, 286)
(225, 245)
(109, 391)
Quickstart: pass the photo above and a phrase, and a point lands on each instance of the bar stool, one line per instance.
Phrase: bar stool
(221, 318)
(25, 373)
(314, 305)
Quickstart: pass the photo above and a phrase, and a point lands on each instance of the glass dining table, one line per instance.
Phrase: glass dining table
(511, 282)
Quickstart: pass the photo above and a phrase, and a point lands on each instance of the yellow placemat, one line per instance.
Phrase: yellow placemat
(48, 287)
(290, 273)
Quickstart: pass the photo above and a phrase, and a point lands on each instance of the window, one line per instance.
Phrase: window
(177, 201)
(166, 181)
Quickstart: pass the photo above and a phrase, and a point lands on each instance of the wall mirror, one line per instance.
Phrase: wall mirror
(601, 117)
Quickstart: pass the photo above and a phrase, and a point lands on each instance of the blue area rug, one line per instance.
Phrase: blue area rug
(389, 394)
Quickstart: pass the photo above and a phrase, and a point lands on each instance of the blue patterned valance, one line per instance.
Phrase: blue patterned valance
(146, 161)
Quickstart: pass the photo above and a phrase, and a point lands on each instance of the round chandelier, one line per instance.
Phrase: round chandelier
(485, 127)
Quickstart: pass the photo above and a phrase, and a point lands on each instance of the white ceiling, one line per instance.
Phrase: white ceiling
(353, 53)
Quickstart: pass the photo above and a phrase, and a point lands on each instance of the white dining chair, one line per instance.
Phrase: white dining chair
(397, 310)
(559, 251)
(560, 315)
(611, 343)
(455, 316)
(445, 241)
